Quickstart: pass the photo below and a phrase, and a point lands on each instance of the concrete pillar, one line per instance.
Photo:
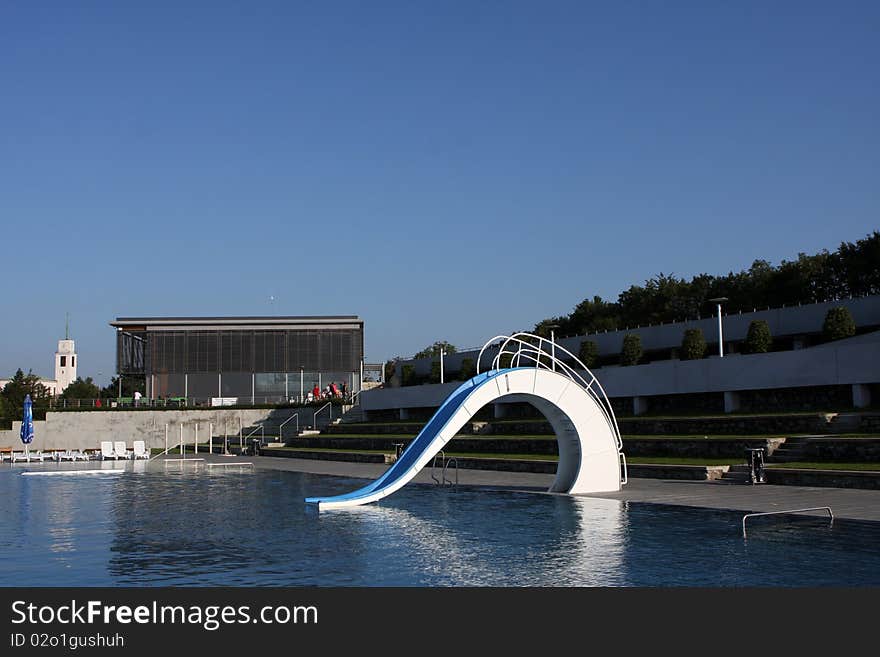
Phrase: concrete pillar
(861, 395)
(731, 401)
(640, 405)
(404, 413)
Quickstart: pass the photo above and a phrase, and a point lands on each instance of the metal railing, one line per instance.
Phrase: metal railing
(446, 467)
(776, 513)
(527, 350)
(315, 416)
(281, 426)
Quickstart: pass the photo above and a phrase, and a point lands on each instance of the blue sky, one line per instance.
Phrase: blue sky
(445, 170)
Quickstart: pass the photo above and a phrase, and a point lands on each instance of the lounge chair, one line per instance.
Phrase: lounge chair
(107, 451)
(121, 451)
(140, 450)
(21, 456)
(77, 455)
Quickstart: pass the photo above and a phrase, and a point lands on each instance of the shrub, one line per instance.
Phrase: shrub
(467, 369)
(632, 349)
(758, 339)
(838, 324)
(408, 375)
(589, 353)
(693, 344)
(434, 377)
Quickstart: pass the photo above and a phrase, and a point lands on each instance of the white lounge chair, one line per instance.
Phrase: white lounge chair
(77, 455)
(107, 451)
(21, 456)
(140, 450)
(121, 451)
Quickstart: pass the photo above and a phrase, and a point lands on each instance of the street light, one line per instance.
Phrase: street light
(552, 328)
(442, 354)
(718, 301)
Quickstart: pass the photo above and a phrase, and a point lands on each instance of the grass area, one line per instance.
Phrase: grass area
(635, 460)
(827, 465)
(681, 460)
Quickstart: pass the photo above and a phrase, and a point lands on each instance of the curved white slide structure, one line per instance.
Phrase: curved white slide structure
(590, 457)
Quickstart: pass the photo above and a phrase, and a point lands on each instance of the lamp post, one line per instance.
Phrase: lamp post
(301, 396)
(553, 328)
(718, 301)
(442, 354)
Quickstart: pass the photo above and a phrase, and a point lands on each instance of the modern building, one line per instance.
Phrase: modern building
(253, 359)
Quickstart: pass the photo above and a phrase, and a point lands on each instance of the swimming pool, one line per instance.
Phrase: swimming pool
(169, 526)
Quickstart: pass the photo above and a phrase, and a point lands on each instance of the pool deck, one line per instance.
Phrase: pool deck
(844, 502)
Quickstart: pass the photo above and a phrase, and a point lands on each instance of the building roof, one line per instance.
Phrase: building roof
(289, 321)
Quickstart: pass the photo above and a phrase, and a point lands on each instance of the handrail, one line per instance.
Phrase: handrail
(775, 513)
(529, 347)
(261, 429)
(315, 416)
(167, 448)
(446, 466)
(280, 426)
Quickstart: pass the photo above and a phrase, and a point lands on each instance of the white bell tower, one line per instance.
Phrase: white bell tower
(65, 361)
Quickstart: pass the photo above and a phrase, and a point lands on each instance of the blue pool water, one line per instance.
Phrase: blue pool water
(170, 528)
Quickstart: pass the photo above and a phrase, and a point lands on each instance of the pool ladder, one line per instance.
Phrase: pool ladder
(444, 466)
(787, 511)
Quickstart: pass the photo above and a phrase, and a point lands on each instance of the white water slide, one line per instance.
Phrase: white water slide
(547, 376)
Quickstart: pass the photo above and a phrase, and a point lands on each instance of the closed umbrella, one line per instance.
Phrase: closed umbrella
(27, 424)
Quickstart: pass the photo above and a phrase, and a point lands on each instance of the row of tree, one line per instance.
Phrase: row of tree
(838, 324)
(19, 386)
(850, 271)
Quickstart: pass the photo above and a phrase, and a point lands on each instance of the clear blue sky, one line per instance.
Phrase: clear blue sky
(445, 170)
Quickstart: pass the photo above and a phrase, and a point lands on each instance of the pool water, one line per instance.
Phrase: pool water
(182, 527)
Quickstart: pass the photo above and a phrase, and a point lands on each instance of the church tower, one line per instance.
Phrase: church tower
(65, 361)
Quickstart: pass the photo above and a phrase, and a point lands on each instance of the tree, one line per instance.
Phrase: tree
(408, 375)
(589, 353)
(632, 349)
(693, 344)
(80, 389)
(19, 387)
(391, 368)
(434, 377)
(758, 339)
(433, 351)
(838, 324)
(467, 369)
(129, 385)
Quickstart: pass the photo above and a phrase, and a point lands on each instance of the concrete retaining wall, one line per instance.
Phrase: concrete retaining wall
(86, 429)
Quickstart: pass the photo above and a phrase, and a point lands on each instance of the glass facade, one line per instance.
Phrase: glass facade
(266, 364)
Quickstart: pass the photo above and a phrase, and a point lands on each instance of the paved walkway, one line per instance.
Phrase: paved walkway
(844, 502)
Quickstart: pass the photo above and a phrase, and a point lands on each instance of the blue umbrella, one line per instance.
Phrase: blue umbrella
(27, 423)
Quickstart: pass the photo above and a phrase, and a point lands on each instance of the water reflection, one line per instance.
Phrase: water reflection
(193, 527)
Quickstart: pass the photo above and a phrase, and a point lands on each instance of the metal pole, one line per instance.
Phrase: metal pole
(240, 438)
(185, 387)
(286, 395)
(181, 440)
(301, 397)
(166, 437)
(211, 437)
(120, 385)
(553, 349)
(196, 440)
(720, 335)
(253, 386)
(219, 384)
(442, 353)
